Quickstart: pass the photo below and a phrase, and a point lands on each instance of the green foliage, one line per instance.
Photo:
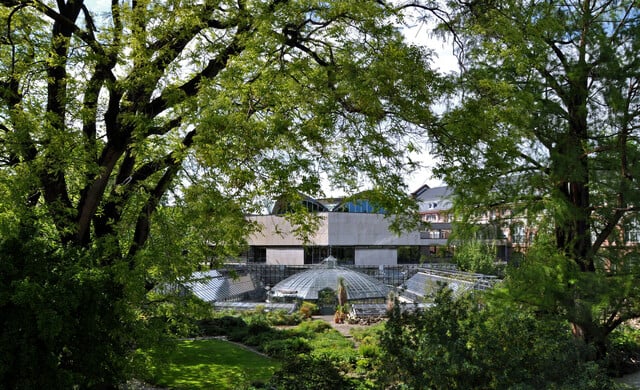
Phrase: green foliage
(327, 298)
(63, 324)
(623, 354)
(308, 309)
(307, 373)
(290, 347)
(410, 254)
(548, 281)
(282, 317)
(475, 256)
(460, 343)
(334, 348)
(313, 340)
(328, 353)
(136, 139)
(544, 125)
(542, 269)
(220, 326)
(312, 328)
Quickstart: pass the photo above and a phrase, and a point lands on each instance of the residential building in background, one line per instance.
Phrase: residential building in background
(434, 208)
(354, 232)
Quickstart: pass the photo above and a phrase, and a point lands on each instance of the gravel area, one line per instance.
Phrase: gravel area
(343, 328)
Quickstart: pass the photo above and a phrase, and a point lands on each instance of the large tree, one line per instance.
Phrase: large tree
(546, 124)
(135, 138)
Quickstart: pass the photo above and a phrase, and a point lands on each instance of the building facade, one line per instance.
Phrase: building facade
(356, 233)
(352, 238)
(434, 208)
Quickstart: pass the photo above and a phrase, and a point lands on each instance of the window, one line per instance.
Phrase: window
(632, 231)
(257, 255)
(518, 234)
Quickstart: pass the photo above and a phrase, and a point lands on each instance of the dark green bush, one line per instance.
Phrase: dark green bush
(458, 343)
(238, 335)
(63, 323)
(220, 326)
(263, 337)
(623, 352)
(305, 372)
(283, 348)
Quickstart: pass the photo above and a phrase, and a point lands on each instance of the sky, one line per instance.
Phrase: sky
(416, 33)
(445, 62)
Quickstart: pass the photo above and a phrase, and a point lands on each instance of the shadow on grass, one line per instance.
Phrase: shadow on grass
(212, 364)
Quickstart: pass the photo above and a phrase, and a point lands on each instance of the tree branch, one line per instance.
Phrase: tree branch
(143, 224)
(191, 87)
(69, 23)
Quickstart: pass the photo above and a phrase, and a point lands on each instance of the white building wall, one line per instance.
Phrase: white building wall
(373, 256)
(285, 256)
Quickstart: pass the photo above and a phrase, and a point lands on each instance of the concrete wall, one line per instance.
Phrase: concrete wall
(373, 256)
(366, 229)
(288, 256)
(336, 229)
(277, 231)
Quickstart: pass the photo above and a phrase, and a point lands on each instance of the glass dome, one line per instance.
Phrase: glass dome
(306, 285)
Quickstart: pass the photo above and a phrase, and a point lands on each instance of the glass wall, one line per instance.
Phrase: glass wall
(316, 254)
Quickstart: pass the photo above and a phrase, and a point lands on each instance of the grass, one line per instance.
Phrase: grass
(212, 364)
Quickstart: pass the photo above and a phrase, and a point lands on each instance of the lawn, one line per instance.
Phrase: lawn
(212, 364)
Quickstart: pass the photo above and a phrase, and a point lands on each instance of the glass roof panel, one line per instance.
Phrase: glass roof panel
(307, 284)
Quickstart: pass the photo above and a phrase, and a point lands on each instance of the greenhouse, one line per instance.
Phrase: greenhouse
(212, 286)
(323, 279)
(426, 282)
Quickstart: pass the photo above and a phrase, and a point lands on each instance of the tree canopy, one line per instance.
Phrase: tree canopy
(135, 139)
(546, 122)
(102, 113)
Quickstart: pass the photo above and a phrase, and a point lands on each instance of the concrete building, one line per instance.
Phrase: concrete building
(353, 231)
(353, 238)
(356, 233)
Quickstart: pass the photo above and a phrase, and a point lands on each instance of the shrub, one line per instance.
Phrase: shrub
(311, 328)
(281, 317)
(369, 351)
(220, 326)
(458, 343)
(284, 348)
(261, 338)
(238, 335)
(369, 333)
(308, 309)
(257, 327)
(475, 256)
(305, 372)
(623, 352)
